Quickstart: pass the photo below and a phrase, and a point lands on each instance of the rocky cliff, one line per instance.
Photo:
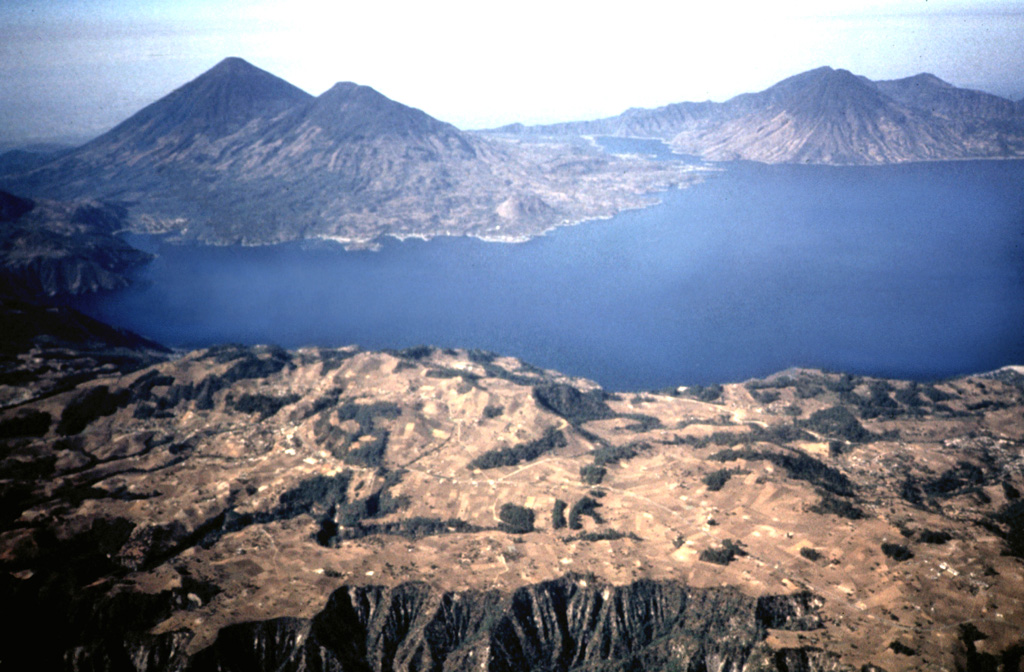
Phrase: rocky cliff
(572, 623)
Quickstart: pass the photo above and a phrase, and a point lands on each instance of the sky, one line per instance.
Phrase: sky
(74, 68)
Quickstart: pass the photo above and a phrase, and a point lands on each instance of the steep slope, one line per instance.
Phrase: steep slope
(60, 249)
(827, 116)
(213, 106)
(169, 147)
(349, 112)
(927, 92)
(822, 116)
(252, 508)
(13, 207)
(240, 156)
(47, 348)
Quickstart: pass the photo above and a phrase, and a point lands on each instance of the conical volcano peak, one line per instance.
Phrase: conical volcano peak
(823, 76)
(350, 93)
(215, 104)
(234, 88)
(347, 89)
(927, 78)
(350, 110)
(233, 63)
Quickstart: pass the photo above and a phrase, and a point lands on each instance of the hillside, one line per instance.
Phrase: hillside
(454, 510)
(52, 248)
(826, 116)
(240, 156)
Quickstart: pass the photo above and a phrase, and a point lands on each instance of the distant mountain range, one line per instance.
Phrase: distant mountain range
(826, 116)
(241, 156)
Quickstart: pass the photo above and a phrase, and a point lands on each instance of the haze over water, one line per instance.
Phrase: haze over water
(913, 271)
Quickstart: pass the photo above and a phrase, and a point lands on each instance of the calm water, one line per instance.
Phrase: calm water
(910, 271)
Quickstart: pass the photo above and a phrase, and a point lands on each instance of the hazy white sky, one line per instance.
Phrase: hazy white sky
(77, 67)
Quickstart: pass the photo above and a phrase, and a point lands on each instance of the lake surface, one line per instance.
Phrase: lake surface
(912, 271)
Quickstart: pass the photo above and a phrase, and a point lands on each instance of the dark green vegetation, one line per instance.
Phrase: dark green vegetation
(247, 364)
(804, 387)
(575, 406)
(799, 466)
(369, 453)
(342, 519)
(810, 553)
(262, 404)
(964, 478)
(716, 480)
(902, 649)
(859, 399)
(366, 444)
(522, 452)
(777, 434)
(705, 393)
(729, 551)
(516, 519)
(322, 492)
(558, 514)
(610, 455)
(585, 506)
(592, 474)
(89, 405)
(897, 552)
(933, 537)
(830, 504)
(765, 397)
(414, 527)
(603, 535)
(838, 423)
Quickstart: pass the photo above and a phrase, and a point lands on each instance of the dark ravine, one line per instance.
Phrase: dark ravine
(574, 623)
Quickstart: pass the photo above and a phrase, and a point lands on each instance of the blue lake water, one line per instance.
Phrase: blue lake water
(913, 271)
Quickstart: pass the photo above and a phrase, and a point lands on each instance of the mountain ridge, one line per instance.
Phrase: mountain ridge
(825, 116)
(237, 155)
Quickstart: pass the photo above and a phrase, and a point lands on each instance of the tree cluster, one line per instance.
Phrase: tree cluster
(516, 519)
(522, 452)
